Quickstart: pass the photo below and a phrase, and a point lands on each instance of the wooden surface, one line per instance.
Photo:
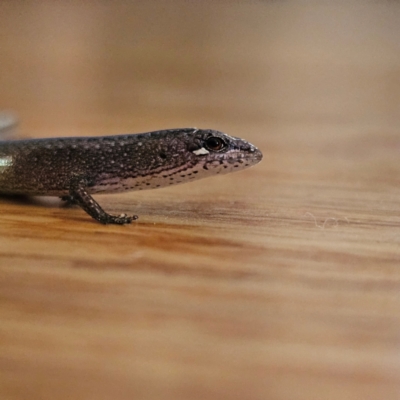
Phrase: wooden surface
(279, 282)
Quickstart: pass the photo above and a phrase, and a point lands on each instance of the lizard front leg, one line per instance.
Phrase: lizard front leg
(79, 195)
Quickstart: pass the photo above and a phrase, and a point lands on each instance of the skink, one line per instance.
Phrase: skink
(75, 168)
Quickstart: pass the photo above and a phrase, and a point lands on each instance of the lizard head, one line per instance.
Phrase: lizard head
(213, 152)
(183, 155)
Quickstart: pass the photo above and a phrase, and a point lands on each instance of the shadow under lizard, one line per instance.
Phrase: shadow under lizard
(75, 168)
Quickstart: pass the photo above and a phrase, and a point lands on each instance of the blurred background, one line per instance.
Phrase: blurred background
(150, 64)
(314, 227)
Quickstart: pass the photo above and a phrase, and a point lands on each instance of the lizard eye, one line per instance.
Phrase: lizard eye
(214, 143)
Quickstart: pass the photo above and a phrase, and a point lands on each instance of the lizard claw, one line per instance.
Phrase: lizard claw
(121, 219)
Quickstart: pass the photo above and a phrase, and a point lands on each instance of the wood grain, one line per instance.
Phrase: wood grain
(279, 282)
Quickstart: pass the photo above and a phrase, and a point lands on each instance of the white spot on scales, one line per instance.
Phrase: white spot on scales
(5, 163)
(201, 151)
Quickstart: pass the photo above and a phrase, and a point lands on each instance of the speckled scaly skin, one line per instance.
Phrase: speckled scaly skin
(74, 168)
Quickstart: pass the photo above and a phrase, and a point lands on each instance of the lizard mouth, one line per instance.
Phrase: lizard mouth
(251, 156)
(256, 155)
(235, 162)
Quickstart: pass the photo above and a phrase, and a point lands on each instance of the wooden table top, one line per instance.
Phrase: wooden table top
(278, 282)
